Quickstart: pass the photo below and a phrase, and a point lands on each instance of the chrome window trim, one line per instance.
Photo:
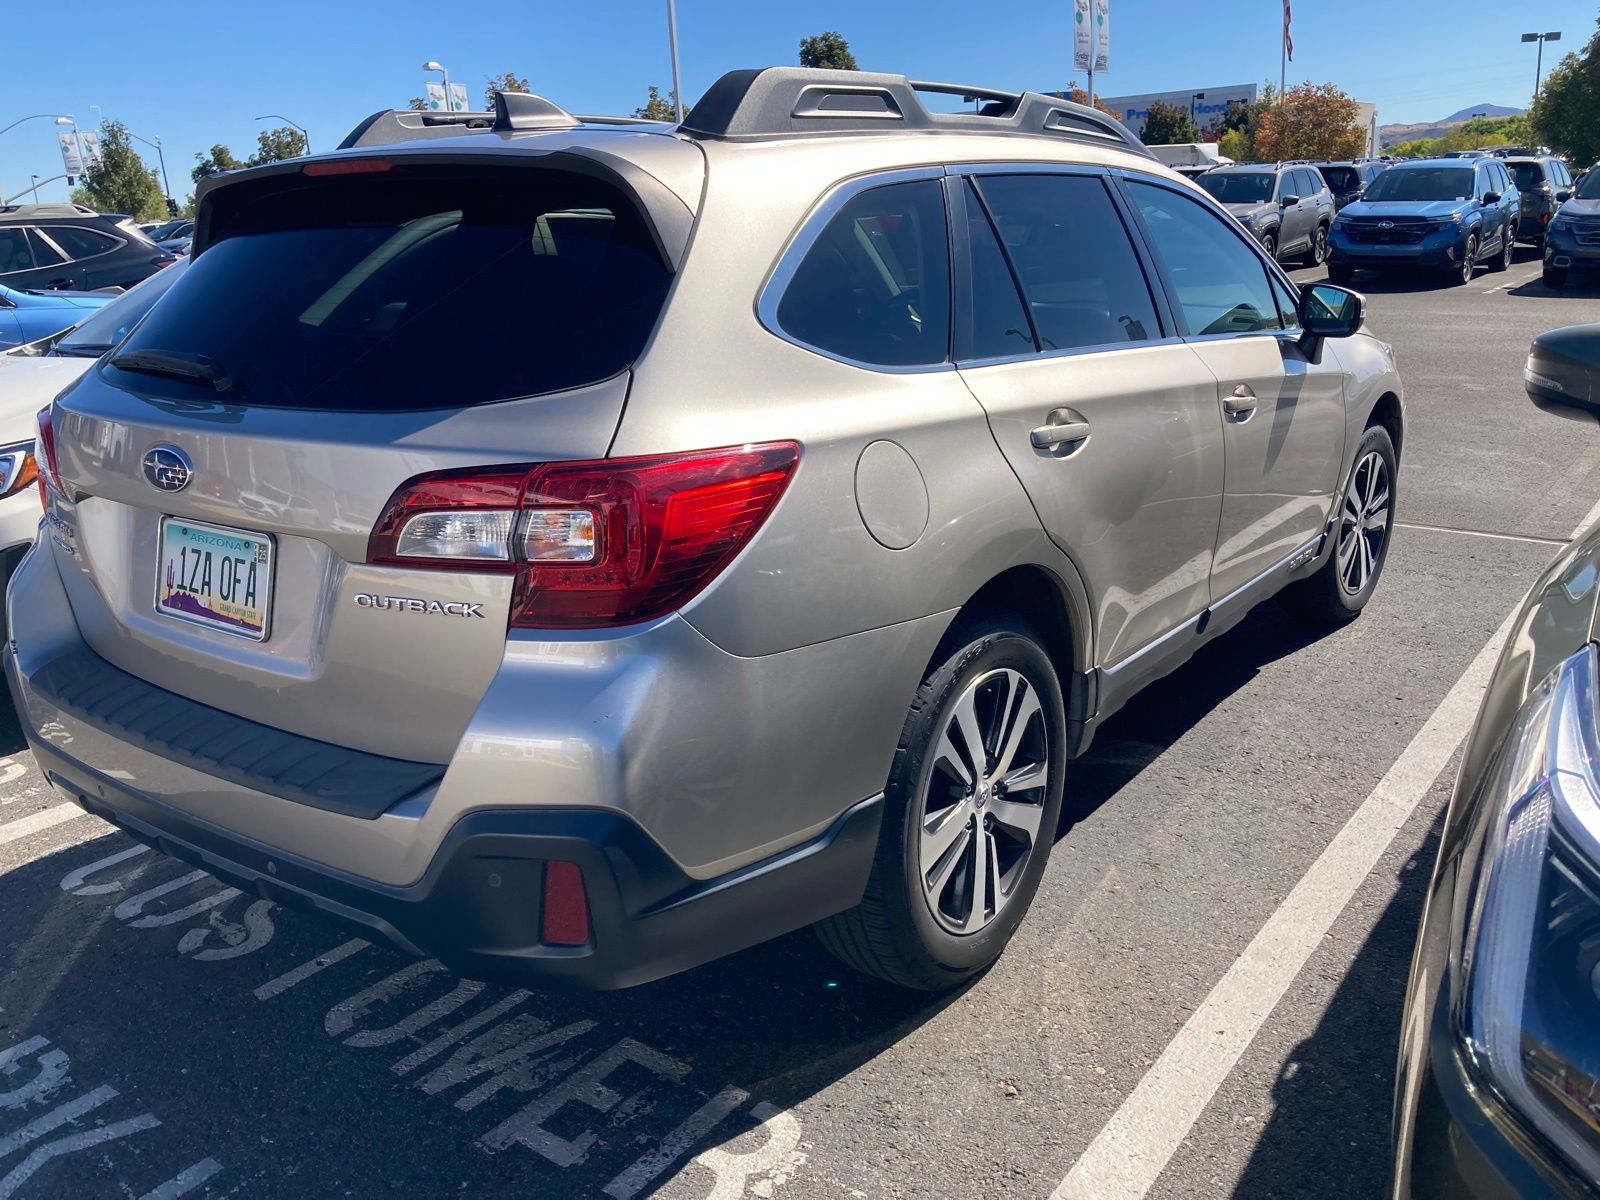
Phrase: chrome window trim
(798, 246)
(967, 364)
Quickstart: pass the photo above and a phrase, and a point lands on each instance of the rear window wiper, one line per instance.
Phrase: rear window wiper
(175, 364)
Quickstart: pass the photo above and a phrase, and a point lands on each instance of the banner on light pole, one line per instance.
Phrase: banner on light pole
(1102, 34)
(1082, 35)
(458, 97)
(91, 148)
(71, 161)
(434, 93)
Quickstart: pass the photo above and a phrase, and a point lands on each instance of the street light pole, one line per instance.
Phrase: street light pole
(1538, 60)
(35, 179)
(160, 157)
(672, 38)
(301, 128)
(449, 100)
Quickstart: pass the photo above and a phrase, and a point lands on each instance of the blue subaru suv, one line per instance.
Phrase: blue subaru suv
(1438, 214)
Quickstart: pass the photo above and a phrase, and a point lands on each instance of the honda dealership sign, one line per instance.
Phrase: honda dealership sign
(1207, 105)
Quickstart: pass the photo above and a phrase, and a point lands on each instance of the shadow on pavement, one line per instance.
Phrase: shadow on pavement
(1167, 709)
(1328, 1134)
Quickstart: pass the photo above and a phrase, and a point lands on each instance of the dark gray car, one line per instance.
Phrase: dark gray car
(1543, 185)
(1498, 1088)
(66, 246)
(580, 549)
(1288, 207)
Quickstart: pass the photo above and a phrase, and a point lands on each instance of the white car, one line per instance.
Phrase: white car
(30, 377)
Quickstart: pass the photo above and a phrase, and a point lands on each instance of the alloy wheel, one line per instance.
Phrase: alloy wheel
(1469, 259)
(1364, 523)
(1319, 247)
(983, 802)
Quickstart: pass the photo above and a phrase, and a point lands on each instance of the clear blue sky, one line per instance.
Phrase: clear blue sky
(197, 73)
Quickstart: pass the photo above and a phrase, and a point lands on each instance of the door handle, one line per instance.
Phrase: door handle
(1062, 428)
(1241, 404)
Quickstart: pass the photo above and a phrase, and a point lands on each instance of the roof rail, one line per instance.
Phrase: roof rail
(47, 210)
(514, 112)
(772, 102)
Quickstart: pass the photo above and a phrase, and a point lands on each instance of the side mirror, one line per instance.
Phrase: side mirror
(1328, 311)
(1288, 200)
(1563, 197)
(1491, 197)
(1562, 373)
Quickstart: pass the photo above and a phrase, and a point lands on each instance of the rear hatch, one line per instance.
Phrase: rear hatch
(341, 331)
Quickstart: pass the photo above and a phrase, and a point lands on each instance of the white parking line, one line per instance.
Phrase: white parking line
(56, 814)
(1481, 533)
(1133, 1147)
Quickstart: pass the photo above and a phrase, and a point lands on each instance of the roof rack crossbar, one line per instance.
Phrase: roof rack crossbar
(776, 102)
(514, 112)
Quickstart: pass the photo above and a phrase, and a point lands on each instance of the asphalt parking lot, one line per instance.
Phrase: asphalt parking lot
(162, 1035)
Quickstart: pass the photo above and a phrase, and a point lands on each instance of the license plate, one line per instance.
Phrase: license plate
(217, 577)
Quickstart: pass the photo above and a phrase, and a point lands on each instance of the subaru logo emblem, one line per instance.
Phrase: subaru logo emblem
(167, 468)
(1385, 224)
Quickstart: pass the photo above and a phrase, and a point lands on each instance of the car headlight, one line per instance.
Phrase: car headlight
(18, 468)
(1531, 954)
(1561, 225)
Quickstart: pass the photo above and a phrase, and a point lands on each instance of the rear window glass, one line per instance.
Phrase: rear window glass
(1341, 179)
(1528, 175)
(875, 285)
(421, 287)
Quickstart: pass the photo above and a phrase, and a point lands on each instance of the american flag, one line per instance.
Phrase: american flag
(1288, 38)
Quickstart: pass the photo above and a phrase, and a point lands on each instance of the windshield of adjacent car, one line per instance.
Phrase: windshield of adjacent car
(1341, 179)
(1529, 175)
(1422, 183)
(1589, 189)
(93, 337)
(1239, 187)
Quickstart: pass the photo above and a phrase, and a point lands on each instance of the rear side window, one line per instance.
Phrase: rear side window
(1218, 282)
(421, 287)
(1079, 273)
(999, 323)
(44, 254)
(874, 287)
(81, 243)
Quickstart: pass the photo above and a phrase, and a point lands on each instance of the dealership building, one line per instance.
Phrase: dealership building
(1208, 106)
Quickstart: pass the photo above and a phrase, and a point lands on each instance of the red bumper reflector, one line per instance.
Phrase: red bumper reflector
(565, 919)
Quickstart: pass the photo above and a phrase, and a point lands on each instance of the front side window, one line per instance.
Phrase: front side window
(1078, 270)
(875, 285)
(1219, 283)
(81, 243)
(14, 252)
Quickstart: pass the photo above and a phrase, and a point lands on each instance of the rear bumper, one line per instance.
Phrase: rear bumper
(477, 907)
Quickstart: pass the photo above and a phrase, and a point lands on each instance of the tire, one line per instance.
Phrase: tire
(906, 932)
(1341, 587)
(1554, 277)
(1461, 273)
(1342, 275)
(1503, 260)
(1317, 253)
(1269, 243)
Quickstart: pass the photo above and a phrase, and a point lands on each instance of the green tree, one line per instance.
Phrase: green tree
(121, 183)
(1168, 124)
(506, 81)
(657, 107)
(1566, 113)
(1235, 144)
(828, 50)
(220, 159)
(274, 145)
(1316, 121)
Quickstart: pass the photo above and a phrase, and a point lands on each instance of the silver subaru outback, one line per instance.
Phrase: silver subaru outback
(578, 549)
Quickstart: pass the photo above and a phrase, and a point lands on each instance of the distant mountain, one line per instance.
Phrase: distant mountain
(1388, 135)
(1481, 110)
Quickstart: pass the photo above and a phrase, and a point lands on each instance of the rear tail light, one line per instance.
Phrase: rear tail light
(346, 166)
(45, 456)
(592, 544)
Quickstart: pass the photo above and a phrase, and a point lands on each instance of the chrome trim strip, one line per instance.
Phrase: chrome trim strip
(1070, 352)
(1188, 625)
(794, 252)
